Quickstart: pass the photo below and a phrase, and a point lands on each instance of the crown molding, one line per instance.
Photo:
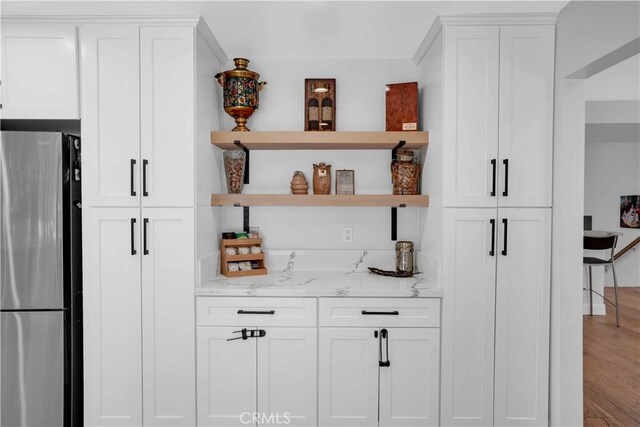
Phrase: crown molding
(480, 19)
(204, 30)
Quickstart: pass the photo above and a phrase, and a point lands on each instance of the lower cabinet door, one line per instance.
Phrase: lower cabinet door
(168, 329)
(287, 365)
(409, 386)
(348, 377)
(226, 380)
(112, 311)
(522, 318)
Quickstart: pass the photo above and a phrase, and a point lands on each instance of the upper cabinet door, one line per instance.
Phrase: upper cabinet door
(468, 277)
(526, 115)
(470, 143)
(110, 115)
(39, 71)
(167, 115)
(409, 387)
(522, 318)
(168, 335)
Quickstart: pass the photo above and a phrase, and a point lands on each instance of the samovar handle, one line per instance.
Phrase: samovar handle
(220, 77)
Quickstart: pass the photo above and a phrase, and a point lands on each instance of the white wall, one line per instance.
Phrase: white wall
(612, 170)
(585, 32)
(360, 106)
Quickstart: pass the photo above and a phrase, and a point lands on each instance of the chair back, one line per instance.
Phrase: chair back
(599, 243)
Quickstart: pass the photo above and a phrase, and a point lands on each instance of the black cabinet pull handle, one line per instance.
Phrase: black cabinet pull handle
(132, 173)
(256, 312)
(145, 163)
(493, 237)
(380, 313)
(133, 232)
(145, 222)
(506, 177)
(493, 185)
(384, 336)
(504, 244)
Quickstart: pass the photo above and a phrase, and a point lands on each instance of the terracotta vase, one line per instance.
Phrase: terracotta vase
(321, 179)
(240, 92)
(299, 184)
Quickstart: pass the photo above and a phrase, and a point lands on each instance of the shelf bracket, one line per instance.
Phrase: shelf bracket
(245, 216)
(239, 144)
(394, 151)
(394, 220)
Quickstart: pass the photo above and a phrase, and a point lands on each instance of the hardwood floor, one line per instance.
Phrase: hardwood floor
(612, 364)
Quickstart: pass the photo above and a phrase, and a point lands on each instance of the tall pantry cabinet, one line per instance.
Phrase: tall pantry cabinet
(491, 127)
(140, 83)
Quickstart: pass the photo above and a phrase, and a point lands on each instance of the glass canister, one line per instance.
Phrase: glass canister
(405, 173)
(404, 257)
(234, 161)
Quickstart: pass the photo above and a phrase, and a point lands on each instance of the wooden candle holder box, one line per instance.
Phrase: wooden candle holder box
(236, 243)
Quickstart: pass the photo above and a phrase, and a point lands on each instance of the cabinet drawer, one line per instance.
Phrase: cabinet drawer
(253, 311)
(380, 312)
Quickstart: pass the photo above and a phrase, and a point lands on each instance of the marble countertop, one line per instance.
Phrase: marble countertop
(321, 284)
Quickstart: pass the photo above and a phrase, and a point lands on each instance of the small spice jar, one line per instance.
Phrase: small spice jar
(405, 173)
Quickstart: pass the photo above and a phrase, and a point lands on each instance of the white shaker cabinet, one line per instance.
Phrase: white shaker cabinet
(378, 362)
(498, 115)
(109, 64)
(138, 102)
(112, 309)
(522, 317)
(138, 320)
(270, 374)
(495, 349)
(39, 71)
(348, 377)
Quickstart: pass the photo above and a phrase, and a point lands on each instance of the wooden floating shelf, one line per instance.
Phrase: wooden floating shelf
(366, 200)
(320, 140)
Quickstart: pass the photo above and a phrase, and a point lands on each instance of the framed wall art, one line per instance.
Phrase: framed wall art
(630, 211)
(345, 183)
(320, 104)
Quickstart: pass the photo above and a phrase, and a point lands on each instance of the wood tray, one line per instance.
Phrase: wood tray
(224, 258)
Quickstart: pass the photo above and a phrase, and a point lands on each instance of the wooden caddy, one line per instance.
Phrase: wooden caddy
(224, 258)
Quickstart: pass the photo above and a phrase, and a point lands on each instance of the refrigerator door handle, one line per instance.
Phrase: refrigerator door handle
(145, 163)
(132, 167)
(133, 233)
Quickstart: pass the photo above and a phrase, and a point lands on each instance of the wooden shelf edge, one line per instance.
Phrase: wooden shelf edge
(249, 257)
(256, 272)
(319, 140)
(241, 242)
(357, 200)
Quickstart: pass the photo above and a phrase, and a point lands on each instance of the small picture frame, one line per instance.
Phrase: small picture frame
(345, 181)
(320, 105)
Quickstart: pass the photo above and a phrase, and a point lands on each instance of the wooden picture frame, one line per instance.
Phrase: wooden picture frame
(345, 182)
(319, 105)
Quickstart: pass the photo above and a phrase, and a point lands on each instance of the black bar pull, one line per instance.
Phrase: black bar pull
(504, 244)
(145, 222)
(506, 177)
(256, 312)
(132, 173)
(145, 163)
(133, 232)
(493, 237)
(493, 185)
(384, 335)
(394, 223)
(380, 313)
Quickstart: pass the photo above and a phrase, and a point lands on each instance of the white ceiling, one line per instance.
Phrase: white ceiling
(299, 29)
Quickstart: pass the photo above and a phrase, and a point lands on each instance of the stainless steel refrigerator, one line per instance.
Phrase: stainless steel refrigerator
(40, 280)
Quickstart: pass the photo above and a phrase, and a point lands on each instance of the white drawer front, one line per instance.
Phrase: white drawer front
(256, 311)
(380, 312)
